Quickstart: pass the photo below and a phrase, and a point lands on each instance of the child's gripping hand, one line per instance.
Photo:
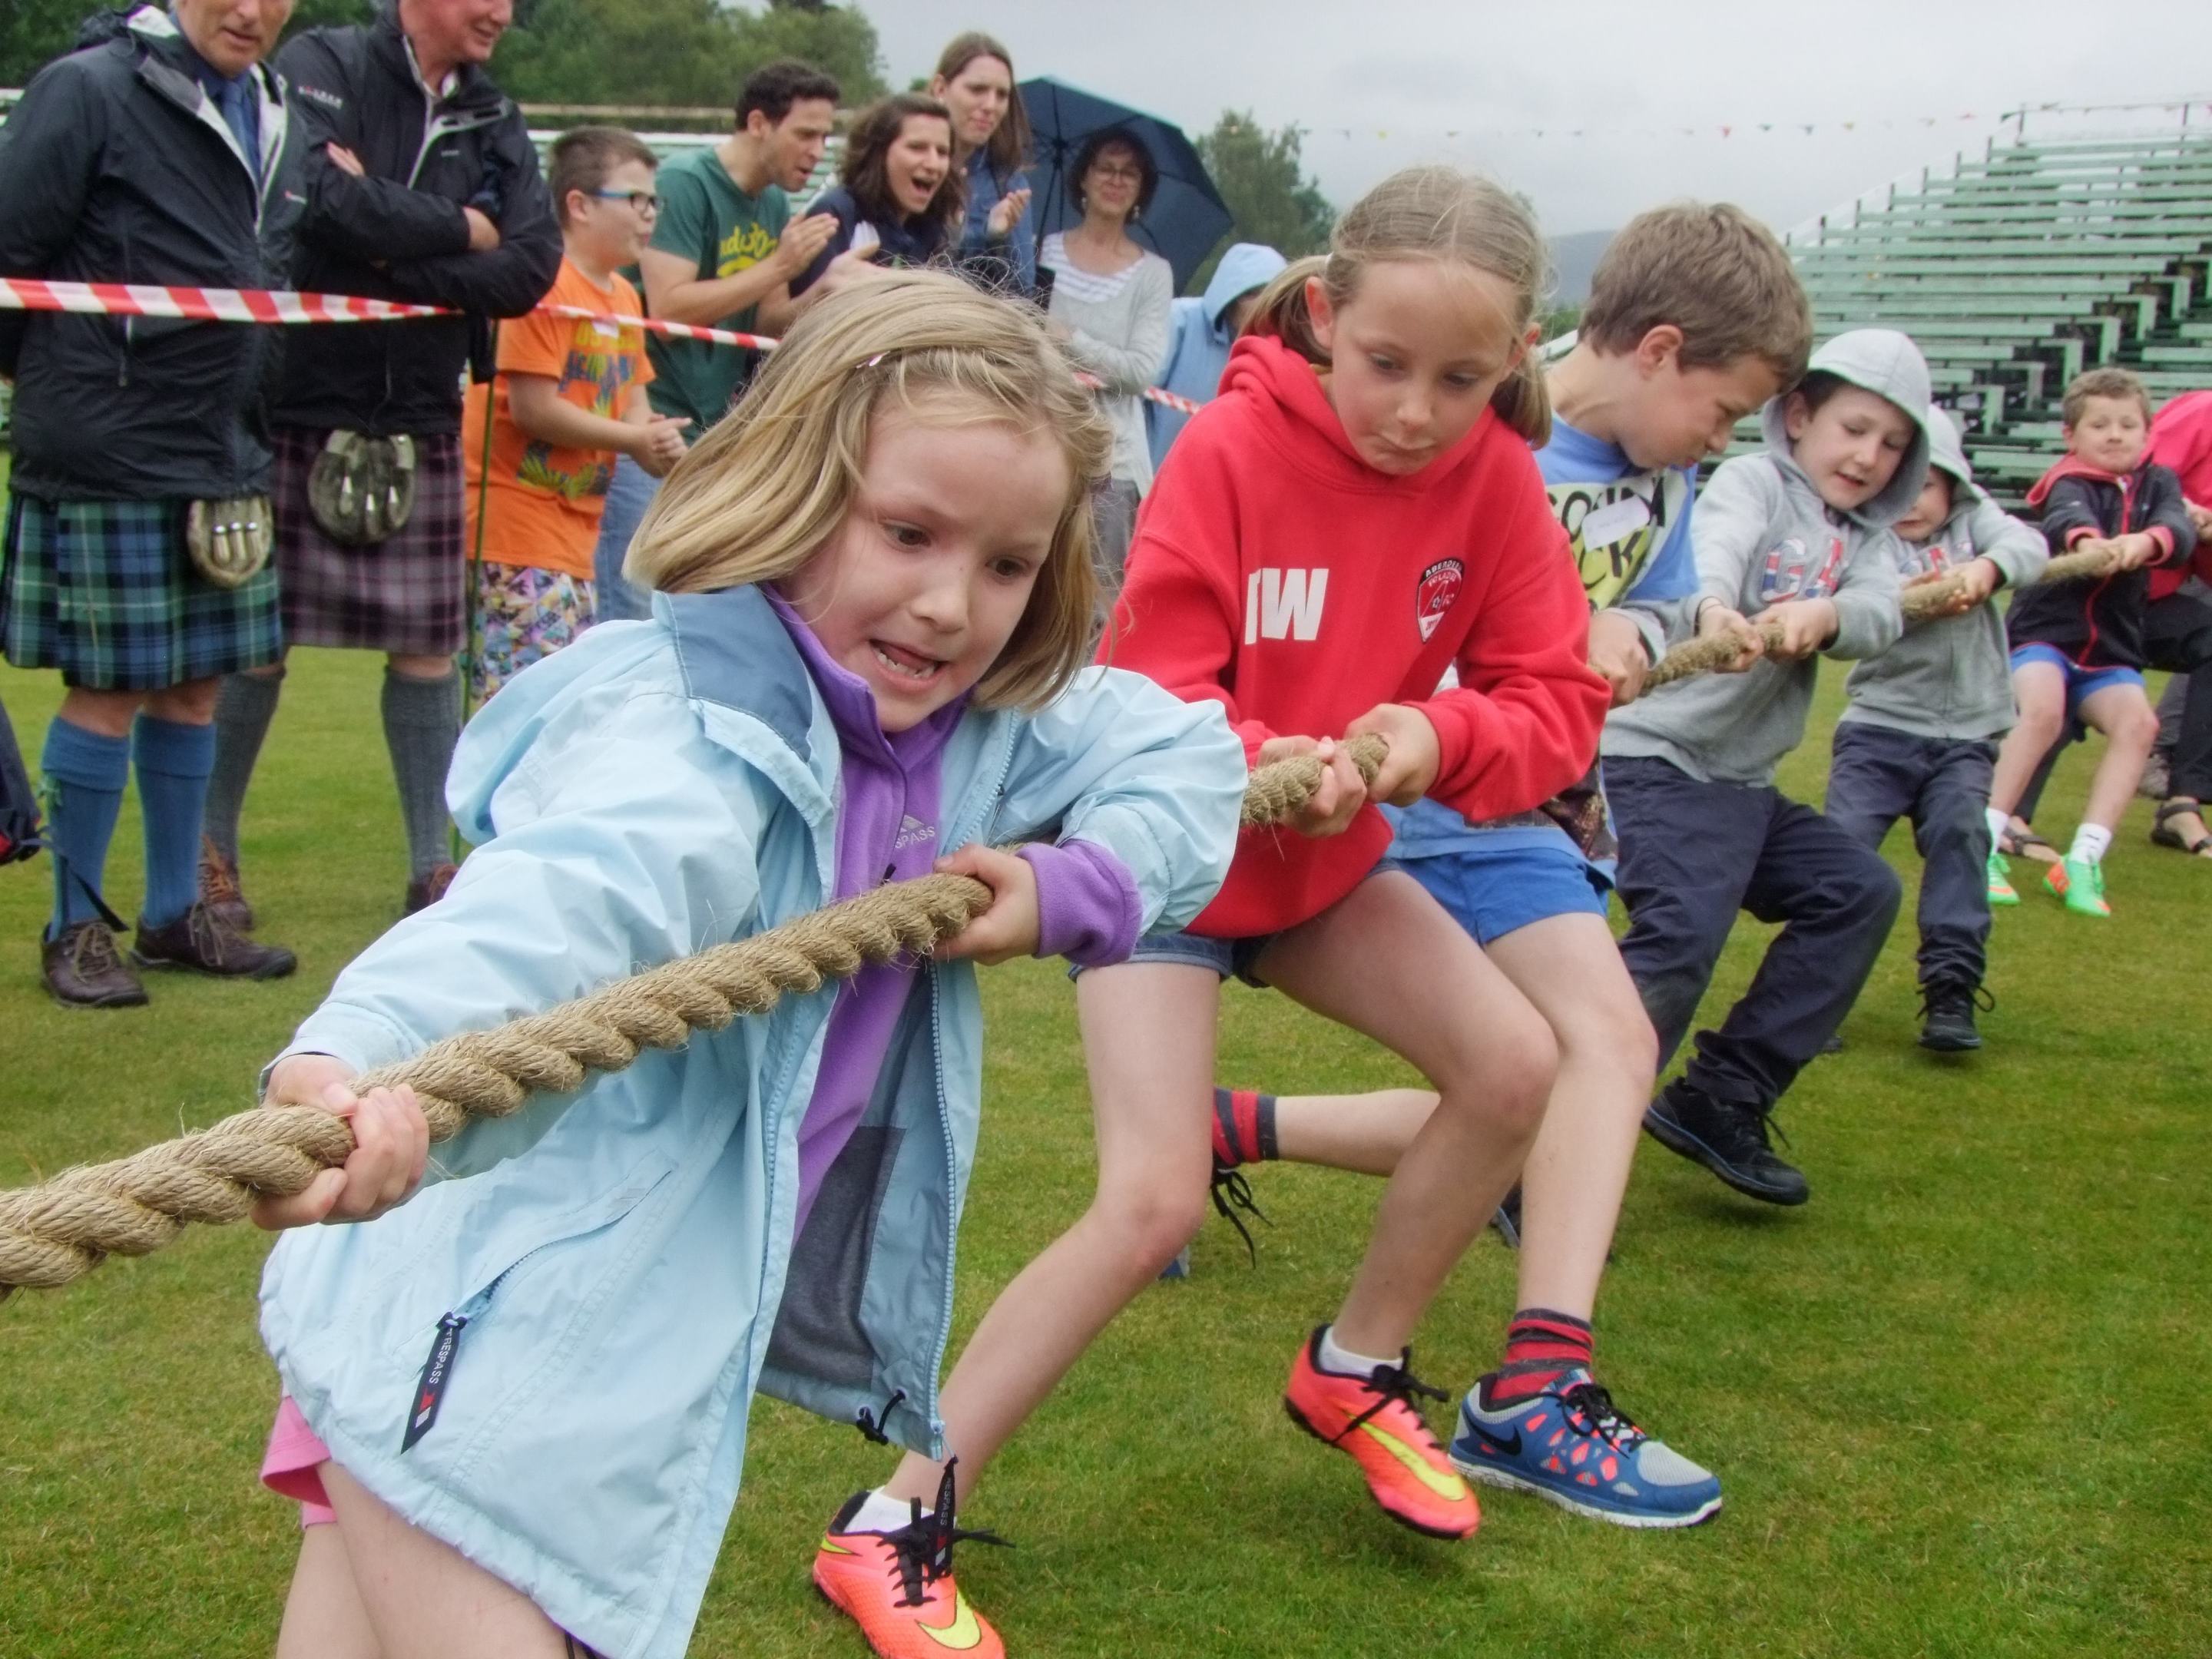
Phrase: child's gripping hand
(1409, 770)
(1012, 926)
(2137, 551)
(1332, 807)
(1976, 580)
(659, 444)
(392, 1145)
(1617, 654)
(1716, 621)
(1806, 626)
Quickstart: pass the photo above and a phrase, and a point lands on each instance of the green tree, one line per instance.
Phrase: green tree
(1261, 176)
(573, 52)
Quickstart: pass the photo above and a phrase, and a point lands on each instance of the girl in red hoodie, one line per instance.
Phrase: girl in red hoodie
(1356, 512)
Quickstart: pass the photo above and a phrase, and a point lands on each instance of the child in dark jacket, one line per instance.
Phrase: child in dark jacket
(2077, 648)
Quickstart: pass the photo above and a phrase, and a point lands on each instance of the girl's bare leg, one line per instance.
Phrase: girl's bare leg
(1148, 1041)
(324, 1618)
(1388, 961)
(423, 1598)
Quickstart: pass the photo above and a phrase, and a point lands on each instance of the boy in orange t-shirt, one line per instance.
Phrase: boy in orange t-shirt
(569, 397)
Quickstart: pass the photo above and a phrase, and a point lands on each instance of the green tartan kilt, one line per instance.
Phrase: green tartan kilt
(105, 591)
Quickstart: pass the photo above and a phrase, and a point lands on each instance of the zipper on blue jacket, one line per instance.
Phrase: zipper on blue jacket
(438, 1367)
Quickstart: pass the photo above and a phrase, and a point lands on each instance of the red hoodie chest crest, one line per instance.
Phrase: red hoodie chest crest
(1438, 588)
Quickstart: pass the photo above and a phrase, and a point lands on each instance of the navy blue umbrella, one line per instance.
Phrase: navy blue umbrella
(1186, 217)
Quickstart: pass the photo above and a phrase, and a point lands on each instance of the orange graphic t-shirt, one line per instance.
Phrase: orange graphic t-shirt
(543, 503)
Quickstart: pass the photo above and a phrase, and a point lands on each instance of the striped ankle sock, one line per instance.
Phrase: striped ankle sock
(1539, 1346)
(1243, 1127)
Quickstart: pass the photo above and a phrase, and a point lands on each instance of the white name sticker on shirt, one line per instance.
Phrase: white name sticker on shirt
(1615, 521)
(606, 330)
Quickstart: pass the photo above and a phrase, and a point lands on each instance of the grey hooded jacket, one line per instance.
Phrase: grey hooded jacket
(1952, 678)
(1763, 535)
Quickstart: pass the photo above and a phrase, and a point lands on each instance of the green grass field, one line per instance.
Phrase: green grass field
(1957, 1402)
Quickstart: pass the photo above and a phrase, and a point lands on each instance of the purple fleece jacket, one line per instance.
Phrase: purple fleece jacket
(887, 823)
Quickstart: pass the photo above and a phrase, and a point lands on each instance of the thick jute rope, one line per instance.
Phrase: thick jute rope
(64, 1228)
(1919, 604)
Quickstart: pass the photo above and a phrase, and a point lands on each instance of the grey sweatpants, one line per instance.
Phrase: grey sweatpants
(1942, 784)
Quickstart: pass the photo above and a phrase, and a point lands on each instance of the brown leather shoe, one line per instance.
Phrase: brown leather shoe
(82, 969)
(219, 889)
(424, 891)
(203, 942)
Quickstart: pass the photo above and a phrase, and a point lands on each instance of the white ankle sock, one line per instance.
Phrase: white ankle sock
(1999, 822)
(2090, 840)
(1344, 1362)
(882, 1513)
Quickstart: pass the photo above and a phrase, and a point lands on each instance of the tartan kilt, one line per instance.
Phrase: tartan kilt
(404, 594)
(105, 591)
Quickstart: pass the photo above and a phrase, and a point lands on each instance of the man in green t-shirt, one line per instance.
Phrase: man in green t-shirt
(723, 254)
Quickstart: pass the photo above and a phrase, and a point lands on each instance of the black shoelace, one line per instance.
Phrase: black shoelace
(1230, 1193)
(1942, 996)
(1606, 1421)
(921, 1550)
(1396, 1384)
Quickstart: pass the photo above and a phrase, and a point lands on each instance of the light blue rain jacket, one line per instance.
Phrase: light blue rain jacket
(622, 1256)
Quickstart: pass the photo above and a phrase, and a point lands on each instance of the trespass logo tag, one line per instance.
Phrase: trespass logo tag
(1284, 604)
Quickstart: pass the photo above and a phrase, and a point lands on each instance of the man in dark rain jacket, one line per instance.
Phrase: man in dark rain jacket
(160, 150)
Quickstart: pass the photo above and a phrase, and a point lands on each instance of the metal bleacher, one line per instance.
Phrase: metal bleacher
(2025, 266)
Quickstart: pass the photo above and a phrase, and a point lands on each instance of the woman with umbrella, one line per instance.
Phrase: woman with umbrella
(975, 79)
(1110, 307)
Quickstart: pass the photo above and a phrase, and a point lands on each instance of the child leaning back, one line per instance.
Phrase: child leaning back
(522, 1397)
(1356, 511)
(2077, 646)
(1797, 538)
(1919, 739)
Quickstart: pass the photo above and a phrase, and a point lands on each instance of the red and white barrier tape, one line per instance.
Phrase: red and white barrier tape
(232, 304)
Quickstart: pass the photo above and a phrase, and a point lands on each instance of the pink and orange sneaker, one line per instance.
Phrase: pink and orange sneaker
(1373, 1418)
(897, 1586)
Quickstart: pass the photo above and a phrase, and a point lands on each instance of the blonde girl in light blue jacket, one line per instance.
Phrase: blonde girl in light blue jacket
(522, 1392)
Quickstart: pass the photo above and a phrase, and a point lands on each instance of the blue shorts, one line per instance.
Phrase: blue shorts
(2080, 682)
(1491, 891)
(1232, 958)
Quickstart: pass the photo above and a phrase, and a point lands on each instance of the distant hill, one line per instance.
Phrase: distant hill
(1575, 256)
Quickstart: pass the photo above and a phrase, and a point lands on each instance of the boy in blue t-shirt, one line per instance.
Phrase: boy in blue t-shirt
(1695, 319)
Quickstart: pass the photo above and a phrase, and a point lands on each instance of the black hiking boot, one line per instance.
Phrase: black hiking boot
(1728, 1139)
(82, 969)
(202, 941)
(1947, 1015)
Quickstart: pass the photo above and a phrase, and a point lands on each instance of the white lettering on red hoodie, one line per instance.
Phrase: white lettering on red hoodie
(1277, 573)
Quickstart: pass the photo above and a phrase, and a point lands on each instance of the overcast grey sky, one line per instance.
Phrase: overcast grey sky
(1630, 74)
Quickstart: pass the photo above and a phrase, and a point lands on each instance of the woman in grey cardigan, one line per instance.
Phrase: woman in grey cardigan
(1110, 301)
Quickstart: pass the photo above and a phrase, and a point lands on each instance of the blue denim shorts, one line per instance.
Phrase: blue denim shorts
(1232, 958)
(2081, 682)
(1492, 890)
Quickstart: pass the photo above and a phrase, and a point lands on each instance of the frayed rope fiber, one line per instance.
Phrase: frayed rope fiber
(62, 1229)
(1918, 604)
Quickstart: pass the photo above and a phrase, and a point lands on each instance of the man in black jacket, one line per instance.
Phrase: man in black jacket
(160, 150)
(423, 187)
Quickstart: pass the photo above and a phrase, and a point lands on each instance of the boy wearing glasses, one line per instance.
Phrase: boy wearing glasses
(568, 398)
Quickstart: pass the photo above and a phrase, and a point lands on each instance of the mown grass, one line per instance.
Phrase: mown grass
(1957, 1402)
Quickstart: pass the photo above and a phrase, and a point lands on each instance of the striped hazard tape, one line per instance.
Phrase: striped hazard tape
(235, 305)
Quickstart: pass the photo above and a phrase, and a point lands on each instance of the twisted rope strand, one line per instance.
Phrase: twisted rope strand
(1918, 604)
(62, 1229)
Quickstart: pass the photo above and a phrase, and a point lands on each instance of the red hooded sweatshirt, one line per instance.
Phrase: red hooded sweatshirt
(1276, 571)
(2181, 440)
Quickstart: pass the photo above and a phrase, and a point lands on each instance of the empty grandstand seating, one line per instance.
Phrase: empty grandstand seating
(2025, 266)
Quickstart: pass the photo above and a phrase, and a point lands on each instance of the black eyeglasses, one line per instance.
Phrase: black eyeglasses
(643, 200)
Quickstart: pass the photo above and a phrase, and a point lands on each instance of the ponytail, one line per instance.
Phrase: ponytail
(1524, 399)
(1280, 312)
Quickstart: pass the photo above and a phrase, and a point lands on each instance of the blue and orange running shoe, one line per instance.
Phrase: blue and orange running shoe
(898, 1586)
(1571, 1445)
(1374, 1420)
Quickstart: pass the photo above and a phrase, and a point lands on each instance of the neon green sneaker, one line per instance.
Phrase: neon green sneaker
(2002, 890)
(2080, 884)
